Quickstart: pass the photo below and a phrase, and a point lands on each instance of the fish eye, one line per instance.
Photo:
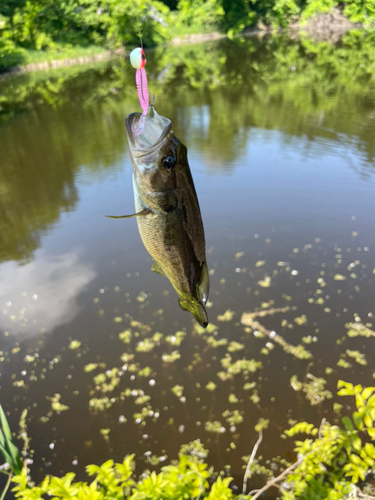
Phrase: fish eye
(169, 162)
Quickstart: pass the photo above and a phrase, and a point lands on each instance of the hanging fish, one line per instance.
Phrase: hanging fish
(166, 203)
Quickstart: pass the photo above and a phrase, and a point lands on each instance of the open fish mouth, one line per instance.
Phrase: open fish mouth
(155, 129)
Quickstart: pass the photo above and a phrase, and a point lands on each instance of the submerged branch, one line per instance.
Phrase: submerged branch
(359, 329)
(297, 351)
(278, 478)
(252, 456)
(268, 312)
(289, 469)
(6, 486)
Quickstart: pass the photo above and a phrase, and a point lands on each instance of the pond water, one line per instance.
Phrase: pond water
(280, 138)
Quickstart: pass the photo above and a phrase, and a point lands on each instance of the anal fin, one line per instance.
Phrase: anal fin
(156, 267)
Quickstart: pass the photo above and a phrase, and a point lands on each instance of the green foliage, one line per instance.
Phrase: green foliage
(330, 465)
(187, 479)
(10, 54)
(326, 79)
(8, 9)
(220, 490)
(7, 448)
(260, 91)
(362, 11)
(112, 481)
(332, 461)
(46, 25)
(207, 13)
(318, 6)
(239, 14)
(283, 12)
(127, 19)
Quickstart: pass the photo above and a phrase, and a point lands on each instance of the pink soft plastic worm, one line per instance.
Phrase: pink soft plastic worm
(142, 88)
(138, 61)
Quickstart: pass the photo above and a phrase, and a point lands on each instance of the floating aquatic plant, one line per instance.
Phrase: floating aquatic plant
(314, 389)
(178, 390)
(171, 358)
(99, 404)
(357, 356)
(343, 364)
(55, 403)
(227, 316)
(235, 346)
(125, 336)
(358, 329)
(145, 345)
(74, 344)
(215, 427)
(232, 417)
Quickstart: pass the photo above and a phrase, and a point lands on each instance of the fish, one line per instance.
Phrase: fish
(167, 209)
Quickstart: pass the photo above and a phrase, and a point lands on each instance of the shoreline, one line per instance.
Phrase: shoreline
(329, 26)
(106, 55)
(60, 63)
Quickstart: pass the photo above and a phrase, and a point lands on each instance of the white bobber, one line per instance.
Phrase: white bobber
(137, 58)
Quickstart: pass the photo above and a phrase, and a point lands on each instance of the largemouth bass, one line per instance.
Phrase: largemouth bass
(167, 210)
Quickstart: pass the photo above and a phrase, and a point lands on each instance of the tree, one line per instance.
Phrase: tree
(8, 9)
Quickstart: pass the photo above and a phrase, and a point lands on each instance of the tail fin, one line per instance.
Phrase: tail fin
(196, 309)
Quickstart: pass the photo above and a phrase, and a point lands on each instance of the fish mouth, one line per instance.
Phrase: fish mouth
(155, 130)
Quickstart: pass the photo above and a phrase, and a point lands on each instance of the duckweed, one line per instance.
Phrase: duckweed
(215, 427)
(227, 316)
(357, 356)
(231, 350)
(178, 390)
(314, 389)
(171, 358)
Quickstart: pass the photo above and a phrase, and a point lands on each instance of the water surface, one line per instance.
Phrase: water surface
(280, 138)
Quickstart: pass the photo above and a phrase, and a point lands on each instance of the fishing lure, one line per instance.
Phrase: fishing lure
(138, 61)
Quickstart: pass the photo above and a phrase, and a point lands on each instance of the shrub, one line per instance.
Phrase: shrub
(10, 54)
(207, 13)
(332, 461)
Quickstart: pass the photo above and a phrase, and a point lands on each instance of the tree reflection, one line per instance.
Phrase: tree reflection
(214, 92)
(41, 154)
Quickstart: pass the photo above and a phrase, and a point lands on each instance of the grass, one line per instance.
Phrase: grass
(60, 52)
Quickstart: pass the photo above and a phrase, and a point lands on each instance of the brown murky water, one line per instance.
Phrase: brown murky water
(280, 138)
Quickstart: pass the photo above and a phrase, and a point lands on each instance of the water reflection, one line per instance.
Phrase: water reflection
(42, 294)
(300, 87)
(289, 225)
(167, 210)
(41, 156)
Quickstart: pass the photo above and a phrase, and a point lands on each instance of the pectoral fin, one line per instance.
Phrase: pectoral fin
(204, 284)
(146, 211)
(156, 267)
